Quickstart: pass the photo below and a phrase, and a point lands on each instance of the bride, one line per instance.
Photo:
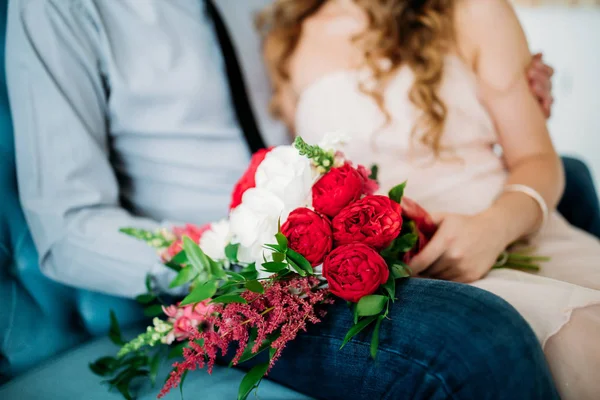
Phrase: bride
(433, 91)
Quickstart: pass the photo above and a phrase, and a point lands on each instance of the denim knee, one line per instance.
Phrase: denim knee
(472, 344)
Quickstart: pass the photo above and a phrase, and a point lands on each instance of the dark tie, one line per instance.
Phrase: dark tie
(237, 87)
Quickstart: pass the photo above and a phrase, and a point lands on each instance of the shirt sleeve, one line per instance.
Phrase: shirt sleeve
(68, 188)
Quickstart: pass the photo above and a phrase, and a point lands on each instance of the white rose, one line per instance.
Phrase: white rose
(215, 239)
(254, 224)
(288, 175)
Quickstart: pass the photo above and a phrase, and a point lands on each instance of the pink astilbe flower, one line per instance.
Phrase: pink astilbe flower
(282, 311)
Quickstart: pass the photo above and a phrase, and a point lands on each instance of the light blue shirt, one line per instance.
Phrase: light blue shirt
(122, 117)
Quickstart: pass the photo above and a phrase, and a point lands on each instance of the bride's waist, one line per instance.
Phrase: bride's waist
(465, 188)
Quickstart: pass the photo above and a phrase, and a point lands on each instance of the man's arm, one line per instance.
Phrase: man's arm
(68, 188)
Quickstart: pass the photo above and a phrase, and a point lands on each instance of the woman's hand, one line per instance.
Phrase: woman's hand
(464, 248)
(539, 76)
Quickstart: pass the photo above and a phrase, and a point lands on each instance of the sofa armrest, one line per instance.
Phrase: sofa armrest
(579, 204)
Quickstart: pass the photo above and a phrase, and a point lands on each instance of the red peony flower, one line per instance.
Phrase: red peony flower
(370, 186)
(247, 180)
(424, 225)
(354, 271)
(374, 220)
(423, 221)
(309, 234)
(336, 189)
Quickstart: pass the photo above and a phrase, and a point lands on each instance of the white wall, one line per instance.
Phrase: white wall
(570, 41)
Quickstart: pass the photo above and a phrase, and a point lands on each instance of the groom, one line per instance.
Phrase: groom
(124, 116)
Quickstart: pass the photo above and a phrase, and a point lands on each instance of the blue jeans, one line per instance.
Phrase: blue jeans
(444, 341)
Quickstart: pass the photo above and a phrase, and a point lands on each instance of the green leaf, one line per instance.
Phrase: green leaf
(196, 256)
(200, 293)
(149, 283)
(145, 298)
(229, 298)
(400, 245)
(216, 269)
(104, 366)
(252, 379)
(371, 305)
(123, 388)
(235, 276)
(123, 380)
(181, 383)
(300, 261)
(390, 287)
(374, 172)
(134, 360)
(375, 338)
(356, 329)
(274, 247)
(172, 266)
(154, 365)
(278, 257)
(177, 350)
(406, 242)
(184, 276)
(153, 311)
(231, 287)
(282, 241)
(248, 354)
(180, 258)
(231, 252)
(397, 192)
(249, 272)
(296, 267)
(274, 266)
(400, 270)
(114, 332)
(255, 286)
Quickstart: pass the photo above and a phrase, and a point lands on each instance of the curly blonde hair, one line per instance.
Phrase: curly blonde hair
(416, 33)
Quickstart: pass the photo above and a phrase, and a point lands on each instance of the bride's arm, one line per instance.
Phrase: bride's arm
(465, 247)
(492, 40)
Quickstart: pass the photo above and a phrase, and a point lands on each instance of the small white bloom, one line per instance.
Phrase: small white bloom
(254, 224)
(288, 175)
(334, 141)
(169, 339)
(214, 240)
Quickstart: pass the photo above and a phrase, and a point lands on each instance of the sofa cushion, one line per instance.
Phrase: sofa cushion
(68, 377)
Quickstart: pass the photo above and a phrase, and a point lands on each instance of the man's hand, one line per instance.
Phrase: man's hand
(539, 76)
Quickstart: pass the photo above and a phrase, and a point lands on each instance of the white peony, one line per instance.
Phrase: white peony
(215, 239)
(254, 224)
(289, 176)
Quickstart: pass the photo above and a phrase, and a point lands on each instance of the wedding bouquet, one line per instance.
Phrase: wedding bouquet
(305, 228)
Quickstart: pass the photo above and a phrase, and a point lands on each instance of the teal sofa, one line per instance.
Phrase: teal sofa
(49, 332)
